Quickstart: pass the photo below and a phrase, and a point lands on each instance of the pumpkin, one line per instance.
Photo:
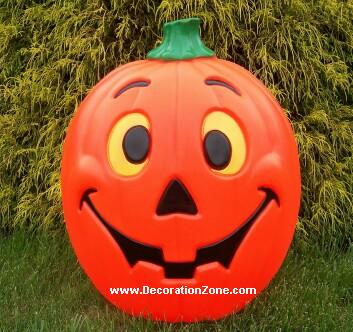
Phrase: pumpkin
(180, 170)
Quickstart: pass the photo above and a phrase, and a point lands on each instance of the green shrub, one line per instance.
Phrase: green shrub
(53, 52)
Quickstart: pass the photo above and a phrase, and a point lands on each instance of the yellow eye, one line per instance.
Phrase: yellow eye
(223, 143)
(129, 144)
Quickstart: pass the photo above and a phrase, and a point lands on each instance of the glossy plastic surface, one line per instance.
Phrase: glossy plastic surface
(112, 218)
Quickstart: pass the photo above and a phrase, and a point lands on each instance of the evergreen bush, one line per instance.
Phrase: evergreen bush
(53, 52)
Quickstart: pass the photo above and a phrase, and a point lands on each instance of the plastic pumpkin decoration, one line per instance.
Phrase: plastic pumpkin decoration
(180, 171)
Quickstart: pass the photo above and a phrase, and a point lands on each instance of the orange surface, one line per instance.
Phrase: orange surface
(176, 103)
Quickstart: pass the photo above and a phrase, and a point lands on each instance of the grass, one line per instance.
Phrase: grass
(43, 289)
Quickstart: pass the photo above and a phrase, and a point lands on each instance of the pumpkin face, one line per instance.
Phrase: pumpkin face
(180, 172)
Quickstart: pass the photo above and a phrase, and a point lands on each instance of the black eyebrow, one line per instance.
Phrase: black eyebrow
(130, 86)
(224, 84)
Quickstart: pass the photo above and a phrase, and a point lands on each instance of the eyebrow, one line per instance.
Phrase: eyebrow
(224, 84)
(135, 84)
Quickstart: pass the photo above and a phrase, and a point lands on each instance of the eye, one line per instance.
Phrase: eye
(223, 143)
(136, 144)
(129, 144)
(217, 149)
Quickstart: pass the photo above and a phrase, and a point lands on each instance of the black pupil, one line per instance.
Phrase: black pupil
(217, 149)
(136, 144)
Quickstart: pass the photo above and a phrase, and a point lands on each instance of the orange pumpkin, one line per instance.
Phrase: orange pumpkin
(180, 170)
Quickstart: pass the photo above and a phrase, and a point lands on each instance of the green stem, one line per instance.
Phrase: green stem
(181, 40)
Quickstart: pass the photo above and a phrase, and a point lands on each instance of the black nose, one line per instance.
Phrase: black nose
(176, 199)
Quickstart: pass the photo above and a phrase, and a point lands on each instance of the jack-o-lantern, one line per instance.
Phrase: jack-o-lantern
(180, 170)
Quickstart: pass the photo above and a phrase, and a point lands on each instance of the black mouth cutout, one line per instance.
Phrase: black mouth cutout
(222, 251)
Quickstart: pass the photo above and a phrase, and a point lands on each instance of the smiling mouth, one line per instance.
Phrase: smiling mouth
(222, 251)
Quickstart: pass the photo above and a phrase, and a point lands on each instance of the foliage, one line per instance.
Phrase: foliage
(53, 52)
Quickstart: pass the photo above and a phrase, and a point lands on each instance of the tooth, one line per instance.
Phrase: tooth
(148, 272)
(213, 271)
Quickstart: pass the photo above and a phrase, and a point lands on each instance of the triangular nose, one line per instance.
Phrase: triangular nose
(176, 199)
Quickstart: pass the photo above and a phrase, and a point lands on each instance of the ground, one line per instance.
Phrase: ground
(42, 288)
